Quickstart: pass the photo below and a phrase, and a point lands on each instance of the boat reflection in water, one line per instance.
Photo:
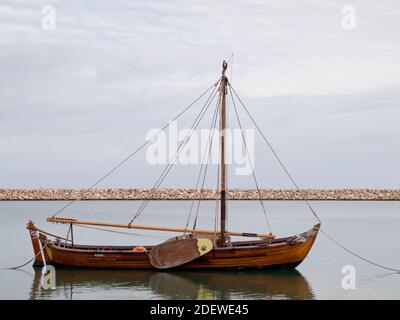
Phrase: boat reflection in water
(136, 284)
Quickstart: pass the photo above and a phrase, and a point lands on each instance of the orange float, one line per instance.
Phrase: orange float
(139, 249)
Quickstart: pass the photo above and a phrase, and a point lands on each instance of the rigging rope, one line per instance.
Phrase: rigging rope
(208, 159)
(251, 162)
(274, 152)
(138, 149)
(122, 232)
(169, 166)
(297, 187)
(213, 121)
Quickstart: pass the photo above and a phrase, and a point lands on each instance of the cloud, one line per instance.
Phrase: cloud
(76, 100)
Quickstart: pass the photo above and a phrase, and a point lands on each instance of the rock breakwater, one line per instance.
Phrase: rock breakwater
(189, 194)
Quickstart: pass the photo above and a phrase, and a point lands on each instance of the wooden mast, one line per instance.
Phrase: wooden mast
(223, 180)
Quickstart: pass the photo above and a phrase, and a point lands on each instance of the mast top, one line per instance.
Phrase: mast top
(224, 66)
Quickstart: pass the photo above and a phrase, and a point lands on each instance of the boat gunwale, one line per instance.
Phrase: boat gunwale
(243, 245)
(130, 251)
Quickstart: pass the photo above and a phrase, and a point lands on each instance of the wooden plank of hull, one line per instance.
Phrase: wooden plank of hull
(278, 254)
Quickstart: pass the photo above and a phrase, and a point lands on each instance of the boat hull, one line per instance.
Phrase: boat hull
(276, 254)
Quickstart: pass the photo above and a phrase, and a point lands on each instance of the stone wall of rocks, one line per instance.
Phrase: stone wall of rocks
(188, 194)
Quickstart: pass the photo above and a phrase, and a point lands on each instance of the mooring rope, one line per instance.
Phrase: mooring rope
(23, 265)
(357, 255)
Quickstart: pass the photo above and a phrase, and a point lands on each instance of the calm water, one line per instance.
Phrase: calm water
(369, 228)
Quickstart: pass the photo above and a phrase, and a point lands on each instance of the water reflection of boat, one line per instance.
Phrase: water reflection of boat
(279, 284)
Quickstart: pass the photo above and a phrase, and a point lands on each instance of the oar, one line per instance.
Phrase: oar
(178, 252)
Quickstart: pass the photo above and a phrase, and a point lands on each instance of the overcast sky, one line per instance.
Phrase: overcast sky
(75, 100)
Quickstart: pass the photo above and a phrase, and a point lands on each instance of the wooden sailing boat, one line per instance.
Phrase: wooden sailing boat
(194, 249)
